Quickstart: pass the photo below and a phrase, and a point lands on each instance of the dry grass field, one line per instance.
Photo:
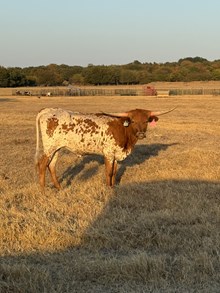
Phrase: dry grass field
(158, 230)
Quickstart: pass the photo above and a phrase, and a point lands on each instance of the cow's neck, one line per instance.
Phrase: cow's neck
(125, 137)
(131, 138)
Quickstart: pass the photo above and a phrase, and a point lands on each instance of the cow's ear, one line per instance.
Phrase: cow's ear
(153, 118)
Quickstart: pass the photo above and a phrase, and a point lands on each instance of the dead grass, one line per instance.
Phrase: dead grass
(157, 231)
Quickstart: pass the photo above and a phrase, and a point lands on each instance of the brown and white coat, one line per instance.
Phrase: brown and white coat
(111, 135)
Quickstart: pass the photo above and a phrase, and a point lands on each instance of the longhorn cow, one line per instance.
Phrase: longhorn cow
(112, 135)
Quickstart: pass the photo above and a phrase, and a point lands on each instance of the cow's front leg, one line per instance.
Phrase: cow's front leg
(110, 171)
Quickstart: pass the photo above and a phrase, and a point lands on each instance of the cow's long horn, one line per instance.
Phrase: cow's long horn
(117, 115)
(162, 112)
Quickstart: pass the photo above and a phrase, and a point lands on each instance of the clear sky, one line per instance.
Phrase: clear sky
(82, 32)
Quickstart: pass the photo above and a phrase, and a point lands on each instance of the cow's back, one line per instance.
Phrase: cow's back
(81, 133)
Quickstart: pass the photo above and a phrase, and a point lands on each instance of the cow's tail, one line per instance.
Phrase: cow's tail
(36, 158)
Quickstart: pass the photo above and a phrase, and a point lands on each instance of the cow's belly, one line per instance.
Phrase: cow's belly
(83, 149)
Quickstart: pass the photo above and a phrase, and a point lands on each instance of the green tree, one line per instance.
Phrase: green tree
(128, 76)
(48, 75)
(96, 75)
(216, 74)
(162, 73)
(135, 65)
(66, 72)
(186, 69)
(77, 78)
(16, 77)
(113, 73)
(4, 77)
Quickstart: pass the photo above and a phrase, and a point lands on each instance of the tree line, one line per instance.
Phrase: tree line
(186, 69)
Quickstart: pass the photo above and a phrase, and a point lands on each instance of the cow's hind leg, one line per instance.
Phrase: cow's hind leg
(110, 171)
(42, 165)
(52, 169)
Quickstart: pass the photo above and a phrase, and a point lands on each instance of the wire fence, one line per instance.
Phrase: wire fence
(194, 91)
(114, 92)
(80, 92)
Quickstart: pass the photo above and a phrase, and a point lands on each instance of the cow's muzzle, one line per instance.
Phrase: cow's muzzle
(140, 135)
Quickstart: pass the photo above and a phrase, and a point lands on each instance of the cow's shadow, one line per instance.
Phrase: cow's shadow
(140, 154)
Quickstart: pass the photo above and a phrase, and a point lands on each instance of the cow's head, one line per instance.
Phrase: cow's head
(137, 120)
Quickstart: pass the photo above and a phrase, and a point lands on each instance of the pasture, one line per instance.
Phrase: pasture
(156, 231)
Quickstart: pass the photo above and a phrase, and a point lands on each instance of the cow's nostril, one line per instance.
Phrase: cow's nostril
(141, 135)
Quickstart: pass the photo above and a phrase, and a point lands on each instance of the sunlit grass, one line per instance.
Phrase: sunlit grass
(156, 231)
